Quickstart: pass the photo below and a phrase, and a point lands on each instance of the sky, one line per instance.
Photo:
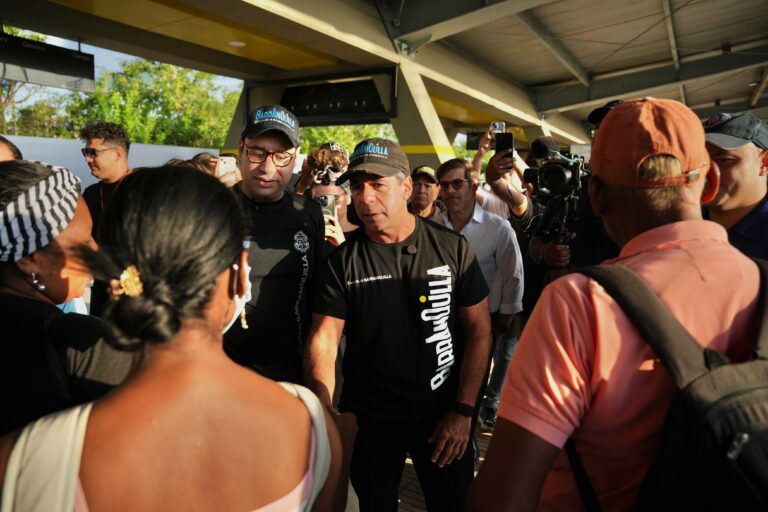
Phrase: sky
(108, 60)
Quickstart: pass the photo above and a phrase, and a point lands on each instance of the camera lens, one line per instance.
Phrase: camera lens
(556, 178)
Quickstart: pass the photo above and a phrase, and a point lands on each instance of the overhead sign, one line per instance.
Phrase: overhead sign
(353, 97)
(35, 62)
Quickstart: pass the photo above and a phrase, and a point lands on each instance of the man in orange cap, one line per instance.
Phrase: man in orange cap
(581, 370)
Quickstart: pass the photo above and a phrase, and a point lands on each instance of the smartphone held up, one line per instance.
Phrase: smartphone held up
(327, 204)
(498, 127)
(504, 141)
(227, 171)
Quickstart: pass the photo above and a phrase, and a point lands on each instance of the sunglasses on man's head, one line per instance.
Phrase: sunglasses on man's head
(93, 152)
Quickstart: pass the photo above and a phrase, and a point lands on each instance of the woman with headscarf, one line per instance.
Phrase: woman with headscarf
(48, 360)
(191, 430)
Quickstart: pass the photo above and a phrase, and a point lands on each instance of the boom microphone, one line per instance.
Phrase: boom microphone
(543, 147)
(548, 147)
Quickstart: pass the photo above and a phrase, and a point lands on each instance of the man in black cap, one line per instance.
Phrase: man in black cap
(597, 115)
(738, 143)
(423, 200)
(286, 233)
(414, 303)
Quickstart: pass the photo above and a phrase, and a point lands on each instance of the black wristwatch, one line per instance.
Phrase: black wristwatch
(463, 409)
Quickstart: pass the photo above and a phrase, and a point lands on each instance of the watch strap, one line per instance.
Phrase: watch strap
(463, 409)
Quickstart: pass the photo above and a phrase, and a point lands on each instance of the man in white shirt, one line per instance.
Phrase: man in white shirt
(498, 253)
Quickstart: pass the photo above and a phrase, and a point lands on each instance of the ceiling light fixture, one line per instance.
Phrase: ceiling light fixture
(236, 44)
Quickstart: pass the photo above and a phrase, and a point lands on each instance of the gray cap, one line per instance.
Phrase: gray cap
(381, 157)
(731, 131)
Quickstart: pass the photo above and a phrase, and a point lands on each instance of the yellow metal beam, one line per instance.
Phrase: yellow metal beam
(426, 149)
(175, 19)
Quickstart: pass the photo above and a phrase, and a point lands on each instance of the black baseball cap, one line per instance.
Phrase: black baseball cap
(272, 117)
(426, 171)
(731, 131)
(381, 157)
(596, 116)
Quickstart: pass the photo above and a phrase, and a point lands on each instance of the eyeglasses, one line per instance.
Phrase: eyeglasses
(454, 184)
(93, 152)
(259, 155)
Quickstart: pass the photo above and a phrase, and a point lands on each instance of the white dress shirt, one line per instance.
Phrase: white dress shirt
(498, 253)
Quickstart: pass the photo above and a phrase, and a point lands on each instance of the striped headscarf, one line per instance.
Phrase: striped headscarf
(39, 214)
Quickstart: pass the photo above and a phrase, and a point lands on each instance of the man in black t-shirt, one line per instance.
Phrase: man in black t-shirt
(106, 153)
(414, 303)
(287, 234)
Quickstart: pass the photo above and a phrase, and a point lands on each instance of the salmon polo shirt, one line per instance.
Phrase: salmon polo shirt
(583, 371)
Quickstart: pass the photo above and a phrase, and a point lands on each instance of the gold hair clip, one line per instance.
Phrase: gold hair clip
(129, 283)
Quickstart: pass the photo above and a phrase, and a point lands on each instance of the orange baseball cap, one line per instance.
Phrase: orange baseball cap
(638, 129)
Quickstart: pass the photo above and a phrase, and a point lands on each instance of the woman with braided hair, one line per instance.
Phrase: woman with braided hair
(191, 430)
(48, 360)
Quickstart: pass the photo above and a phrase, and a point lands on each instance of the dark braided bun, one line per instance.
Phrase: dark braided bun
(180, 228)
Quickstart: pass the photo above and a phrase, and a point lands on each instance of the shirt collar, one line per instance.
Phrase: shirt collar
(752, 226)
(477, 216)
(477, 213)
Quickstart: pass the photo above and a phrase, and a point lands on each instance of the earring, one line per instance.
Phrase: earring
(235, 268)
(243, 321)
(37, 284)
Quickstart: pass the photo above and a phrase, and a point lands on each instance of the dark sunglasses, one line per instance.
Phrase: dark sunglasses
(454, 184)
(93, 152)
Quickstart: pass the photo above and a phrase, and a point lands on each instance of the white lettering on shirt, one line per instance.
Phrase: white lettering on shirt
(438, 312)
(369, 279)
(299, 295)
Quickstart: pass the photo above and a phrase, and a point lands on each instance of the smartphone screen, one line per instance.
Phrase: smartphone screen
(504, 141)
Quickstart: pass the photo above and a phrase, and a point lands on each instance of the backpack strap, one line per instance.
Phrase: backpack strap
(586, 491)
(680, 353)
(761, 345)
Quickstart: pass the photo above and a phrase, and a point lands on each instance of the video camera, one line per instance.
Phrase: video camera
(556, 183)
(558, 175)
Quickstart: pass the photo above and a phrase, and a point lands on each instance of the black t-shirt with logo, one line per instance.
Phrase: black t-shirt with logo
(404, 344)
(286, 246)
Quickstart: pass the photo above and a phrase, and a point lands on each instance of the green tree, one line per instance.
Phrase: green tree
(43, 118)
(13, 93)
(348, 135)
(157, 103)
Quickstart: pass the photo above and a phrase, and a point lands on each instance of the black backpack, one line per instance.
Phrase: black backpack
(714, 451)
